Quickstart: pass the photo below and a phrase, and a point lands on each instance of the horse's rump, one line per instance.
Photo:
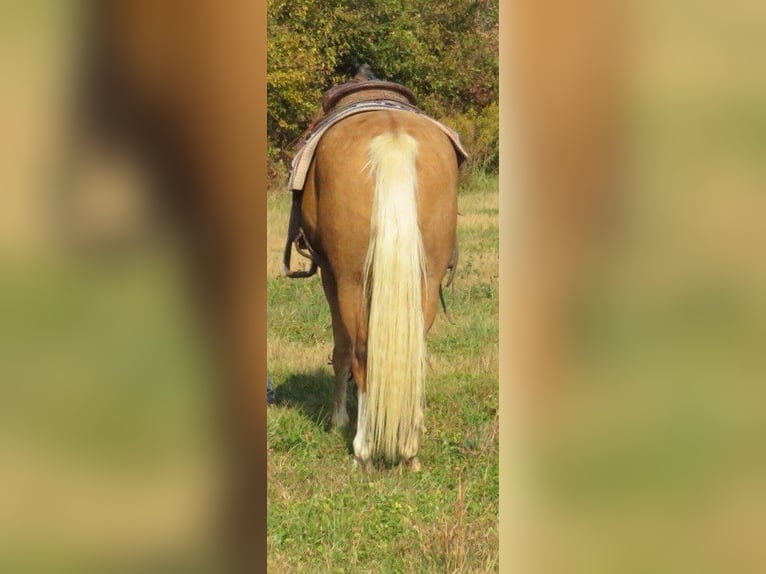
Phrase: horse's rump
(339, 186)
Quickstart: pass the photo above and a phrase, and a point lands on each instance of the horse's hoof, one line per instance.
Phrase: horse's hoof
(339, 426)
(363, 465)
(413, 464)
(340, 419)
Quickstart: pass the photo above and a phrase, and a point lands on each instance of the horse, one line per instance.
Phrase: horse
(379, 209)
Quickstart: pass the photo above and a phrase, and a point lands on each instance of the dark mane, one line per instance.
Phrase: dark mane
(362, 72)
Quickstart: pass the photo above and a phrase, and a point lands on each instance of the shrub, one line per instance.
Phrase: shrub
(445, 51)
(480, 135)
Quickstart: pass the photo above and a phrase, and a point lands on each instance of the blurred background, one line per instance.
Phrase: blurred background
(106, 446)
(653, 456)
(648, 153)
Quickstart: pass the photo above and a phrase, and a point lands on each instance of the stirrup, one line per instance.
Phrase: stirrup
(295, 236)
(303, 249)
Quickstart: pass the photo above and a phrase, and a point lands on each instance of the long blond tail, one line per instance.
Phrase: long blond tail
(394, 275)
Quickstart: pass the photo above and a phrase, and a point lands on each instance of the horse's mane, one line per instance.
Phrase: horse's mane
(362, 72)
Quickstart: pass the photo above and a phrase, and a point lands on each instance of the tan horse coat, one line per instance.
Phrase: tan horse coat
(343, 214)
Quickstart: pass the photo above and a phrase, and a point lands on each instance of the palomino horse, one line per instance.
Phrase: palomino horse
(380, 210)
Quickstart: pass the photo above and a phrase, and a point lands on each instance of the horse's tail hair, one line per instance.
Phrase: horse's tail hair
(394, 276)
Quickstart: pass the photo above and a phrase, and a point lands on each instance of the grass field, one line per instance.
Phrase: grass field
(325, 515)
(106, 441)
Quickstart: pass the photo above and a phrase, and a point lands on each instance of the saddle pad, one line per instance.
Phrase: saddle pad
(302, 160)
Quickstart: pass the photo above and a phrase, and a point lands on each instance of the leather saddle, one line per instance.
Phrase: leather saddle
(356, 91)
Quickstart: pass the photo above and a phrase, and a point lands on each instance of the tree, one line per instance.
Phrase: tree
(445, 51)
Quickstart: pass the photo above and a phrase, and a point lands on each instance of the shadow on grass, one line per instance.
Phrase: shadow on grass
(312, 395)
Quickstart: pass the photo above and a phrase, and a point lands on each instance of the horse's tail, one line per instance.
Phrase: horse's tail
(394, 274)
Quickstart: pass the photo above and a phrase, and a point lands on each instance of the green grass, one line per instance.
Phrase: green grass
(105, 425)
(325, 515)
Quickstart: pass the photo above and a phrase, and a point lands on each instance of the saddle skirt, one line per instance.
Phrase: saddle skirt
(302, 160)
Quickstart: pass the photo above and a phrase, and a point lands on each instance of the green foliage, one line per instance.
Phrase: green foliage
(480, 135)
(446, 52)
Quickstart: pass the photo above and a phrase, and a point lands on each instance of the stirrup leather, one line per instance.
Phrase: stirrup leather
(297, 238)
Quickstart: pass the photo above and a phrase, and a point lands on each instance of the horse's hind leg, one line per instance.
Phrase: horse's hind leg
(341, 353)
(353, 348)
